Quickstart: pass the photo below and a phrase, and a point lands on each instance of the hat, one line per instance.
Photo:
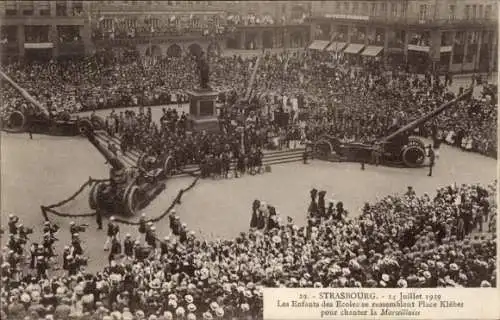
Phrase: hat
(385, 277)
(112, 218)
(219, 312)
(168, 315)
(180, 311)
(402, 283)
(143, 214)
(485, 284)
(150, 223)
(214, 305)
(207, 315)
(128, 235)
(189, 298)
(191, 316)
(72, 223)
(191, 307)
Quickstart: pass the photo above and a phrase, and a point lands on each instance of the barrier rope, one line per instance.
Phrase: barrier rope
(51, 208)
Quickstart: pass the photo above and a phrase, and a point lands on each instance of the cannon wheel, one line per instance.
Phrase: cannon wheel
(84, 126)
(168, 166)
(131, 200)
(17, 121)
(413, 156)
(94, 195)
(97, 122)
(322, 149)
(413, 141)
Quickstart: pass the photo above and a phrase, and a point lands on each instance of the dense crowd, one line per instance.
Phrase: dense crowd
(353, 101)
(241, 141)
(400, 241)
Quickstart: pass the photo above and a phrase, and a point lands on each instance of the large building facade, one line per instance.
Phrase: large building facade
(44, 28)
(69, 27)
(449, 35)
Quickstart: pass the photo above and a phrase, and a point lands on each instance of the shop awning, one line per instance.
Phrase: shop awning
(38, 45)
(354, 48)
(318, 44)
(445, 49)
(336, 46)
(412, 47)
(371, 51)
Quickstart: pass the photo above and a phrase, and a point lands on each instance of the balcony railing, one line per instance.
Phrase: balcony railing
(414, 20)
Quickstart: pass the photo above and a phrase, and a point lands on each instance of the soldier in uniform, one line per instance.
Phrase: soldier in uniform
(128, 247)
(321, 203)
(151, 237)
(13, 220)
(254, 220)
(113, 232)
(432, 158)
(164, 246)
(142, 225)
(66, 254)
(183, 233)
(313, 206)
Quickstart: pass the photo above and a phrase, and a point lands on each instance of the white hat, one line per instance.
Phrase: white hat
(112, 218)
(143, 214)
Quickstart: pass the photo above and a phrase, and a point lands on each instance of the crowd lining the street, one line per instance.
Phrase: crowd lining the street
(353, 102)
(445, 240)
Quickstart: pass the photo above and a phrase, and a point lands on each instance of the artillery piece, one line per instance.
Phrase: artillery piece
(398, 148)
(39, 120)
(129, 189)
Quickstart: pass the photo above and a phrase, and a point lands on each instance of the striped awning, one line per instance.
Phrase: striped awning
(336, 46)
(354, 48)
(318, 44)
(372, 51)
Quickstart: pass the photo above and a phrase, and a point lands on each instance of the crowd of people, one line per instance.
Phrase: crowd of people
(355, 102)
(445, 240)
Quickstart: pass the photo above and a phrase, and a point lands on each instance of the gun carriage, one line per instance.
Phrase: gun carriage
(37, 119)
(128, 189)
(398, 148)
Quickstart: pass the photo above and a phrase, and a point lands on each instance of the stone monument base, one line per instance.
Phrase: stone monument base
(202, 110)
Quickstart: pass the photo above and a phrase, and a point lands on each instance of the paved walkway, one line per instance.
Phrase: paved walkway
(48, 169)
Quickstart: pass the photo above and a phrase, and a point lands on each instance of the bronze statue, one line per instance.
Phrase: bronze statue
(204, 71)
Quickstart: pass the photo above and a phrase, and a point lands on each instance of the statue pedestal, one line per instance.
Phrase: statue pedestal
(202, 110)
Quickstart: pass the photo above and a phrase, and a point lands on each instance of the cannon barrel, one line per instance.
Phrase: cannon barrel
(24, 93)
(113, 160)
(412, 125)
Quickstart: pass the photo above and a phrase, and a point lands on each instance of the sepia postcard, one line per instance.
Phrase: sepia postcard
(183, 160)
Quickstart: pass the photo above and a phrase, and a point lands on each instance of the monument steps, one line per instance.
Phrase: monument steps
(271, 157)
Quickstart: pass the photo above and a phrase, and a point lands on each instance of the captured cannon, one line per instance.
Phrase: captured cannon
(37, 119)
(398, 148)
(128, 189)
